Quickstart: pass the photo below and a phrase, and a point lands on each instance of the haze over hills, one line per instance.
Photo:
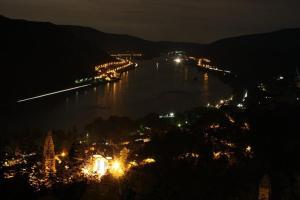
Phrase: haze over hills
(40, 56)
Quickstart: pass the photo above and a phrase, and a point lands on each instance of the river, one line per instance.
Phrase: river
(148, 88)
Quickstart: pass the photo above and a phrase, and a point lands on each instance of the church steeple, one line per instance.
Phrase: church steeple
(49, 154)
(264, 191)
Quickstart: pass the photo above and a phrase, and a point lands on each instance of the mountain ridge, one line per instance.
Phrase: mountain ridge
(67, 52)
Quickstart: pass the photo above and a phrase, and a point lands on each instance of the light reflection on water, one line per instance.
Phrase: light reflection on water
(168, 87)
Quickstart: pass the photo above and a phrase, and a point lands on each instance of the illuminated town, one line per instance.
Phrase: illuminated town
(225, 138)
(149, 100)
(91, 161)
(109, 72)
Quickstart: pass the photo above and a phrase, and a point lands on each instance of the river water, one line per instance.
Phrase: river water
(148, 88)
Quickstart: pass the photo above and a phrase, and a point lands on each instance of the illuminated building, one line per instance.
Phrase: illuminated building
(49, 154)
(96, 167)
(99, 165)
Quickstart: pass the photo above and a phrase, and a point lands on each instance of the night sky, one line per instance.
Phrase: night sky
(177, 20)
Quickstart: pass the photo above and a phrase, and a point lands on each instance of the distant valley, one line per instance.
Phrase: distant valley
(40, 56)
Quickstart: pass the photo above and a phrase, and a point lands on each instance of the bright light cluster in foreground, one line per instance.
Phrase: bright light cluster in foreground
(117, 169)
(96, 167)
(99, 166)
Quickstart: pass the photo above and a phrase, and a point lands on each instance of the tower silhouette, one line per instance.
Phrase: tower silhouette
(264, 191)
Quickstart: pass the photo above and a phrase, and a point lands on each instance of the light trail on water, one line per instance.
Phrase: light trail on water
(52, 93)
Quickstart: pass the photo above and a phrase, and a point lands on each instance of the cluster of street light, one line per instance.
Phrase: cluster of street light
(206, 63)
(110, 71)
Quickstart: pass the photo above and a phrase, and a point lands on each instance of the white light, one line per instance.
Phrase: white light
(172, 114)
(52, 93)
(146, 140)
(246, 94)
(280, 78)
(100, 165)
(240, 105)
(177, 60)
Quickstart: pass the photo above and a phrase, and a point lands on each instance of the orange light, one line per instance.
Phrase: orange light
(117, 168)
(63, 154)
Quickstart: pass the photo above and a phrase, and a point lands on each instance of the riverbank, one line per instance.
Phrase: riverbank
(146, 89)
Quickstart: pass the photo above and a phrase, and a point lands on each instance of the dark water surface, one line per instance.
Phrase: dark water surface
(168, 87)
